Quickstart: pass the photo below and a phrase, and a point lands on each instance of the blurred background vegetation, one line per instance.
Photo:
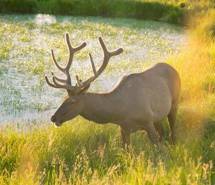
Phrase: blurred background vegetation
(172, 11)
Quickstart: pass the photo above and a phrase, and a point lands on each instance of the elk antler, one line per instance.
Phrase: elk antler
(65, 83)
(107, 56)
(80, 86)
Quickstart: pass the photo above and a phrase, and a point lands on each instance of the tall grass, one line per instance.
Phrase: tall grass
(91, 154)
(196, 65)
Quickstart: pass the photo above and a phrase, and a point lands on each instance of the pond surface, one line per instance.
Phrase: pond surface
(25, 43)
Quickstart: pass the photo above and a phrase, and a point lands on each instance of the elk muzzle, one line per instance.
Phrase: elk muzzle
(54, 120)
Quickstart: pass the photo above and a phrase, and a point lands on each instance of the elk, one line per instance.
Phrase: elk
(138, 102)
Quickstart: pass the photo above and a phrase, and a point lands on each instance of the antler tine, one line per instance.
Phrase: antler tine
(49, 83)
(107, 56)
(92, 64)
(68, 42)
(58, 79)
(55, 62)
(108, 53)
(65, 83)
(70, 46)
(79, 82)
(81, 86)
(117, 52)
(72, 51)
(103, 46)
(57, 85)
(63, 86)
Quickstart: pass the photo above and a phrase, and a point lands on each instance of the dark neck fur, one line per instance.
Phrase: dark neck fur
(98, 107)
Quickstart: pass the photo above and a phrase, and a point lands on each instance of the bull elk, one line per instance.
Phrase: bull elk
(139, 101)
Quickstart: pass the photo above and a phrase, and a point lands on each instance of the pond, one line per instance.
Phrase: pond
(26, 41)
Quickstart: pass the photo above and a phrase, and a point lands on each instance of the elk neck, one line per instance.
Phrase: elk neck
(100, 108)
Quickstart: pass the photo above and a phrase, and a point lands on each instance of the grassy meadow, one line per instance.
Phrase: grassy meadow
(82, 152)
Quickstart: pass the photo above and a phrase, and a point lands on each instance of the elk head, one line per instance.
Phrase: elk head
(73, 105)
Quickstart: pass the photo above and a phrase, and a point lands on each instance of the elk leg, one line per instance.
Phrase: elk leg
(172, 119)
(153, 134)
(125, 137)
(160, 130)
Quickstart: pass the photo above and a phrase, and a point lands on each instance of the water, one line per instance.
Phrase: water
(25, 43)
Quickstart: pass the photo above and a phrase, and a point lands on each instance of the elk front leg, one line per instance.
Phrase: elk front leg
(159, 128)
(125, 137)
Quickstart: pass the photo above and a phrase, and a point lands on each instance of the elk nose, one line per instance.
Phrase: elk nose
(53, 119)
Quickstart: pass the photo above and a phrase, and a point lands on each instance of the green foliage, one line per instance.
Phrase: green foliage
(172, 11)
(25, 6)
(155, 10)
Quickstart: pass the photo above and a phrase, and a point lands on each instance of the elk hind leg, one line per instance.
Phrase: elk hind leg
(172, 120)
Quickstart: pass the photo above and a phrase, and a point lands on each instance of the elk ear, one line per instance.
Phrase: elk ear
(83, 90)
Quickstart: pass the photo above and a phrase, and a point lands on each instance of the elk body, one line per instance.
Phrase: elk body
(138, 102)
